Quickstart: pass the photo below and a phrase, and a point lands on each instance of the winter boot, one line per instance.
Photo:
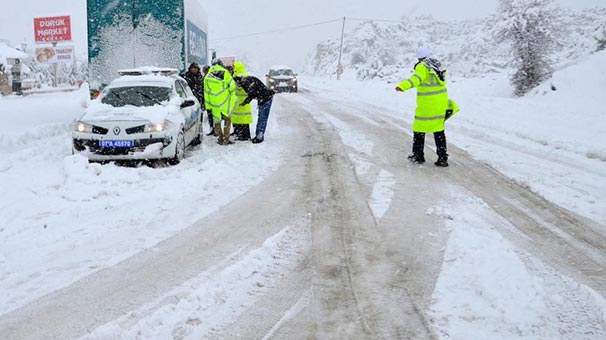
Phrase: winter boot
(418, 146)
(219, 133)
(441, 149)
(441, 162)
(416, 159)
(226, 132)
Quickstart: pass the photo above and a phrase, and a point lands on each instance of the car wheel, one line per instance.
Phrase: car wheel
(179, 150)
(198, 140)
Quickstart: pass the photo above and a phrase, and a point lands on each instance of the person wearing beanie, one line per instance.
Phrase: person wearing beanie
(195, 80)
(433, 106)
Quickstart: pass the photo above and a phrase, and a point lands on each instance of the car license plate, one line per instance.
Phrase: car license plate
(283, 84)
(116, 143)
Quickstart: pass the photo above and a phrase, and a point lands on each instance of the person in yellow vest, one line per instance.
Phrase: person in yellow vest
(433, 107)
(220, 98)
(242, 116)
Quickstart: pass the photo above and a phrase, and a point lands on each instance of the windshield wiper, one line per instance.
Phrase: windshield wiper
(147, 96)
(115, 94)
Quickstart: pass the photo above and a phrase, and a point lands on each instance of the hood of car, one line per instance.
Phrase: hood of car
(282, 77)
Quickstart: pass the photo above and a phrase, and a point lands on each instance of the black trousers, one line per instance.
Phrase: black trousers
(242, 131)
(211, 123)
(418, 145)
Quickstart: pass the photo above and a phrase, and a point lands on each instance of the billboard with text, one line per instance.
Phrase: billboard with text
(52, 29)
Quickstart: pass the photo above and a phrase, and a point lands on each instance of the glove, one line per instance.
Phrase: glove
(448, 114)
(399, 89)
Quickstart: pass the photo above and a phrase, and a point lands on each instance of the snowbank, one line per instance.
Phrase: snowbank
(63, 218)
(489, 289)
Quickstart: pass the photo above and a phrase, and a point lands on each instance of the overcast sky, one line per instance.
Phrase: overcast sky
(235, 17)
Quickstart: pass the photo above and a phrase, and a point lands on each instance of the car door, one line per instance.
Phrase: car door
(191, 114)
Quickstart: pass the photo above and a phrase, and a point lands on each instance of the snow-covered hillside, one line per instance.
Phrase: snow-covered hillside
(375, 50)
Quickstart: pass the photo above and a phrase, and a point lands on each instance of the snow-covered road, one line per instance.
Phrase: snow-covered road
(324, 231)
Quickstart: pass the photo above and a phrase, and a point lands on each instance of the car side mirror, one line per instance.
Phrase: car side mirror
(188, 103)
(267, 75)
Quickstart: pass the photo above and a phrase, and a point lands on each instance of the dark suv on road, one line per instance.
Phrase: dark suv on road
(282, 79)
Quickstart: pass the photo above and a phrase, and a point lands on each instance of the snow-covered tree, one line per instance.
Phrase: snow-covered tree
(532, 28)
(601, 37)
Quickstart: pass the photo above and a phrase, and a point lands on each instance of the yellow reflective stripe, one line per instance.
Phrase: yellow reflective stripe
(219, 105)
(248, 113)
(430, 118)
(418, 77)
(209, 92)
(411, 83)
(423, 94)
(431, 85)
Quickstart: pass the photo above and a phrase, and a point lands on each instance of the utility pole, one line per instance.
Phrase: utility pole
(135, 24)
(340, 66)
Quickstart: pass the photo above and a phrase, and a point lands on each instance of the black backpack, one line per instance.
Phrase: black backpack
(435, 65)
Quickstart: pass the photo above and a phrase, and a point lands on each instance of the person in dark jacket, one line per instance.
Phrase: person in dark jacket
(195, 80)
(255, 89)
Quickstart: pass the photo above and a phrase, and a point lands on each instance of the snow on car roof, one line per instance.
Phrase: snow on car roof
(144, 80)
(148, 70)
(281, 67)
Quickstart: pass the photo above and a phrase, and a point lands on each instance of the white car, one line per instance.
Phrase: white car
(147, 113)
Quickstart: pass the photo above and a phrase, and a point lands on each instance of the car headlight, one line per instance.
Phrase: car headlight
(272, 81)
(294, 79)
(158, 127)
(83, 127)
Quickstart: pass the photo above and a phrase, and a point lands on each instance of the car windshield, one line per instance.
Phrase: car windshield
(281, 73)
(136, 96)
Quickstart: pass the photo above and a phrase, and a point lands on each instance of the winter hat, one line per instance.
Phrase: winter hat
(194, 65)
(423, 53)
(217, 61)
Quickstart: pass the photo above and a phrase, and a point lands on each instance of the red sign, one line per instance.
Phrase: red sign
(52, 29)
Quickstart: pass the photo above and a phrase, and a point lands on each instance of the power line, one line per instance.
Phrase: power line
(291, 28)
(376, 20)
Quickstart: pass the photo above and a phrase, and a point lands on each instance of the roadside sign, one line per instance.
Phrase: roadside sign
(228, 61)
(55, 55)
(52, 29)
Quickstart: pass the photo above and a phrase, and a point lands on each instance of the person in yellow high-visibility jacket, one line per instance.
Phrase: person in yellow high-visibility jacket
(220, 98)
(242, 116)
(433, 107)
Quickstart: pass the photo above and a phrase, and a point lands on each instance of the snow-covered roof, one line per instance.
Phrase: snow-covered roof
(144, 80)
(148, 70)
(9, 52)
(280, 67)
